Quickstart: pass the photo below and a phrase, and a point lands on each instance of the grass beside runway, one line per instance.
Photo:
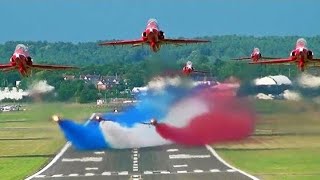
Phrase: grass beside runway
(18, 168)
(277, 164)
(285, 145)
(28, 144)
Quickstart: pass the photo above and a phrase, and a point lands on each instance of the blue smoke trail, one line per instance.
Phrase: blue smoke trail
(83, 137)
(154, 104)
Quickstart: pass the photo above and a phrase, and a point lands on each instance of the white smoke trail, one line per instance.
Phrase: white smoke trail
(291, 95)
(309, 81)
(138, 136)
(14, 93)
(141, 135)
(40, 87)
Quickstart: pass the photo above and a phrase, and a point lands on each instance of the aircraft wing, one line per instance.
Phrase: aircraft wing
(198, 71)
(136, 42)
(51, 67)
(315, 60)
(314, 63)
(241, 58)
(275, 61)
(263, 57)
(183, 41)
(5, 67)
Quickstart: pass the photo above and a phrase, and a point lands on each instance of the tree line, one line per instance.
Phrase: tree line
(139, 64)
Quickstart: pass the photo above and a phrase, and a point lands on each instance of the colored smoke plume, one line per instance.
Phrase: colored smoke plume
(227, 118)
(186, 115)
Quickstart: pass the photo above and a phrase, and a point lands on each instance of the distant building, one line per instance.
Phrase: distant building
(272, 85)
(137, 90)
(101, 82)
(101, 86)
(68, 77)
(100, 102)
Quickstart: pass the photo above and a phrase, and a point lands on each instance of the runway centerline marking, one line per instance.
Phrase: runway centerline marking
(123, 173)
(57, 175)
(188, 156)
(99, 152)
(181, 165)
(172, 150)
(106, 174)
(89, 174)
(84, 159)
(91, 168)
(214, 170)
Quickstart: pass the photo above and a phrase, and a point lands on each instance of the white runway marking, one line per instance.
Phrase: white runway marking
(91, 168)
(187, 156)
(72, 175)
(164, 172)
(89, 174)
(231, 170)
(214, 170)
(57, 175)
(135, 165)
(224, 162)
(198, 171)
(147, 172)
(84, 159)
(123, 173)
(99, 152)
(182, 165)
(106, 174)
(172, 150)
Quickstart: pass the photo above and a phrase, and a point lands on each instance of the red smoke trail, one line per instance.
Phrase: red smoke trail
(228, 118)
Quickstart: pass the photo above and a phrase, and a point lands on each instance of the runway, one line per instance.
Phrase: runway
(158, 163)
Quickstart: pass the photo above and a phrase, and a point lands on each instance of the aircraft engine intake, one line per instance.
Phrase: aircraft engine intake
(161, 35)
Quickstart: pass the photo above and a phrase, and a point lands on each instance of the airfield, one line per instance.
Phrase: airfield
(284, 146)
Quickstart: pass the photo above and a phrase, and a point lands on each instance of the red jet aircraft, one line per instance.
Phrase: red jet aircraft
(301, 55)
(21, 61)
(154, 37)
(255, 56)
(188, 69)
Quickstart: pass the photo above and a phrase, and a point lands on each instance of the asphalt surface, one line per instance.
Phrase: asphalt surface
(159, 163)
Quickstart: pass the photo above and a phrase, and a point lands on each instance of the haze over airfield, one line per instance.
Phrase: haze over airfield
(83, 20)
